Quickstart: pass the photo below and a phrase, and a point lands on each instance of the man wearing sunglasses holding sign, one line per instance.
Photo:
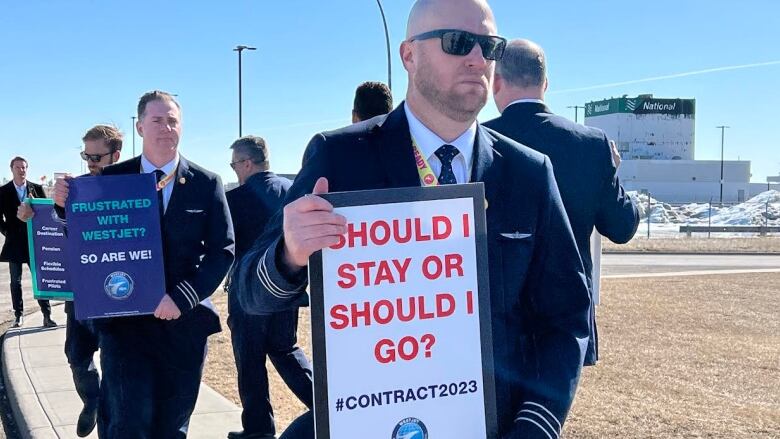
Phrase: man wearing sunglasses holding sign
(539, 298)
(102, 147)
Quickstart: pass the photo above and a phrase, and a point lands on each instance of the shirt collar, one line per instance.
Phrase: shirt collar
(147, 166)
(522, 101)
(22, 187)
(429, 142)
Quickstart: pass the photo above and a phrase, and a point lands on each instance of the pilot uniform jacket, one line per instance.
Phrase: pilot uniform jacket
(15, 248)
(586, 176)
(152, 367)
(198, 244)
(539, 299)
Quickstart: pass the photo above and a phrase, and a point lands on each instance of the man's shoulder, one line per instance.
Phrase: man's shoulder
(125, 167)
(200, 171)
(352, 133)
(514, 151)
(553, 134)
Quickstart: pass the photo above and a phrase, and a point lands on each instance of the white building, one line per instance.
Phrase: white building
(683, 181)
(656, 139)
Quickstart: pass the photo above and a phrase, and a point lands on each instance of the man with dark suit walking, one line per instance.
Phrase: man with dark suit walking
(585, 162)
(152, 365)
(102, 147)
(15, 249)
(274, 335)
(539, 300)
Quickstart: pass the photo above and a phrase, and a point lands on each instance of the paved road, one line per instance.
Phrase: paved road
(620, 264)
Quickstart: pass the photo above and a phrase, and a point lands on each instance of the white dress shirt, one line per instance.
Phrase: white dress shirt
(429, 142)
(147, 167)
(21, 191)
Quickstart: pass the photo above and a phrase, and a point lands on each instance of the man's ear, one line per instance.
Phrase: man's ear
(498, 83)
(407, 54)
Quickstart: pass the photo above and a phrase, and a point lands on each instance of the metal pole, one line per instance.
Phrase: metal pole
(648, 214)
(576, 107)
(387, 41)
(722, 138)
(709, 221)
(239, 94)
(240, 49)
(133, 130)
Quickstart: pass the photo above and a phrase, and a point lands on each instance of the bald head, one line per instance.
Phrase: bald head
(523, 65)
(469, 15)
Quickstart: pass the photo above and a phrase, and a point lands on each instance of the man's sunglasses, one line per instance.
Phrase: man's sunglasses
(94, 158)
(233, 164)
(459, 42)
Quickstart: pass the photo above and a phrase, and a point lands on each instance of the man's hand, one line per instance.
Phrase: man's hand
(24, 212)
(61, 190)
(167, 309)
(310, 225)
(615, 153)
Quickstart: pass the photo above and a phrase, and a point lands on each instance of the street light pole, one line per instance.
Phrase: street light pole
(132, 128)
(722, 129)
(240, 49)
(576, 107)
(387, 41)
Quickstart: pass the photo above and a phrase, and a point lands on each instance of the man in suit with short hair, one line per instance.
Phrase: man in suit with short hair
(539, 300)
(15, 249)
(372, 98)
(272, 335)
(584, 161)
(152, 364)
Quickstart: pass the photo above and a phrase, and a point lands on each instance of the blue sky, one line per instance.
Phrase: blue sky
(65, 66)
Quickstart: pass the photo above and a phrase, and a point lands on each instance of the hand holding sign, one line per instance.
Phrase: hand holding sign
(24, 212)
(167, 309)
(61, 189)
(309, 226)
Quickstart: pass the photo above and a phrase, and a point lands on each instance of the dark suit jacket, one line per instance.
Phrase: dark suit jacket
(539, 298)
(254, 203)
(251, 205)
(198, 248)
(586, 176)
(15, 247)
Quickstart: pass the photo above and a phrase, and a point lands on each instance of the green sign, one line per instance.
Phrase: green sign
(641, 105)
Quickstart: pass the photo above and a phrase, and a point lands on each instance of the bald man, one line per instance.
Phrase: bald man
(584, 160)
(539, 300)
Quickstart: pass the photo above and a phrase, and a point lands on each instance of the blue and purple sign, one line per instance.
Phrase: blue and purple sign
(114, 246)
(48, 256)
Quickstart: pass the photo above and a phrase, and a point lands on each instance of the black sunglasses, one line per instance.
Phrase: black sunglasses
(459, 42)
(233, 164)
(94, 158)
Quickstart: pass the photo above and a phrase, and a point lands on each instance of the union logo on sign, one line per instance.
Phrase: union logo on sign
(118, 285)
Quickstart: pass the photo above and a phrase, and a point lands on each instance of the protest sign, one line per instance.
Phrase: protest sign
(401, 317)
(47, 247)
(114, 245)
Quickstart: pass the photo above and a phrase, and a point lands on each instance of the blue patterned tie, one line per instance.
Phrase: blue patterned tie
(446, 153)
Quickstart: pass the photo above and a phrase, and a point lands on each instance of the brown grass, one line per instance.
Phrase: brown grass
(640, 243)
(220, 372)
(694, 357)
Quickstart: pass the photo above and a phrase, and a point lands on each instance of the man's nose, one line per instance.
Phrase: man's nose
(475, 58)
